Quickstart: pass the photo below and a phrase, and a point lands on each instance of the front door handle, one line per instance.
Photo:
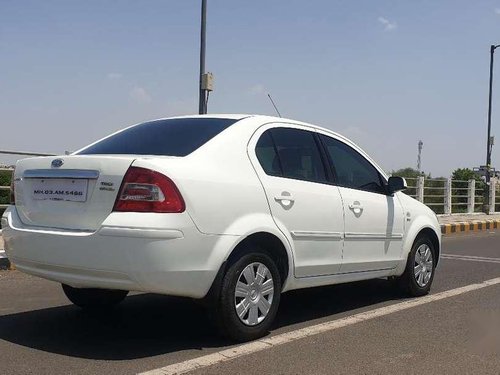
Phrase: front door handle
(356, 207)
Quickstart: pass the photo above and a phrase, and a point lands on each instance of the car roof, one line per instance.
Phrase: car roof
(260, 118)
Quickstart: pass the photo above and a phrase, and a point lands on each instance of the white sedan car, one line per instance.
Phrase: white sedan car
(232, 209)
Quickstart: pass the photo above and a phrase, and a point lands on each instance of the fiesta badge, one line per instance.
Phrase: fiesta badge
(56, 163)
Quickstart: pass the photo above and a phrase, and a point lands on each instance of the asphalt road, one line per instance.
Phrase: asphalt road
(41, 333)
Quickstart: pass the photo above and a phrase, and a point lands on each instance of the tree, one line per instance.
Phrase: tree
(462, 174)
(5, 177)
(465, 174)
(409, 172)
(406, 173)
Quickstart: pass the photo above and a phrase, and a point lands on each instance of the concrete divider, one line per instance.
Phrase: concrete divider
(470, 226)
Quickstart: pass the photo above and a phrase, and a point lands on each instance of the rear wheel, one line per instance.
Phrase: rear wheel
(419, 273)
(89, 298)
(249, 297)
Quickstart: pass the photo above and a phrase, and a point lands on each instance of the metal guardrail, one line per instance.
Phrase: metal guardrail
(447, 196)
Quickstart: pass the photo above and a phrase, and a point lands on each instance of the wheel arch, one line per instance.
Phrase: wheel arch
(273, 244)
(419, 226)
(431, 234)
(270, 244)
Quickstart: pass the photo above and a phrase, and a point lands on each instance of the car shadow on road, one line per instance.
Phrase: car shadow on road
(146, 325)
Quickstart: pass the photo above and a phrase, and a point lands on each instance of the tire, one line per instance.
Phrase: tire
(88, 298)
(254, 323)
(412, 282)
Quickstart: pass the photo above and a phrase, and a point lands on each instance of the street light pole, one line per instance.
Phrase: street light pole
(203, 93)
(488, 143)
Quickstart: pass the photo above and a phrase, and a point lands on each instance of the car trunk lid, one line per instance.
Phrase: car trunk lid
(73, 192)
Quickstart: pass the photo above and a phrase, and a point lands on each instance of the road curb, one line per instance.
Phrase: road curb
(469, 226)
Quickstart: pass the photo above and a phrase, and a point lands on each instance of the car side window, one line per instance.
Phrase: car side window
(351, 169)
(296, 155)
(266, 153)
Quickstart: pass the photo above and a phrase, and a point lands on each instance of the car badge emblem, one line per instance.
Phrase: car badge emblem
(56, 163)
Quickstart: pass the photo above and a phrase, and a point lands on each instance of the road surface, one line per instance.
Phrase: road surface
(361, 328)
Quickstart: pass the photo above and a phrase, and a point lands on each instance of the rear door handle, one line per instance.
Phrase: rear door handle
(285, 199)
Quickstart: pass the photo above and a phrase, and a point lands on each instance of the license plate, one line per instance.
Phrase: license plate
(60, 189)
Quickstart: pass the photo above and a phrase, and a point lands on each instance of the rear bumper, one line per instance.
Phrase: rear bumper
(120, 255)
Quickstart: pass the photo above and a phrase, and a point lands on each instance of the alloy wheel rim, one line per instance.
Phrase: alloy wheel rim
(253, 295)
(423, 266)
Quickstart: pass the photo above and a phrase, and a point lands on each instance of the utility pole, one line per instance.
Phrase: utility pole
(419, 157)
(489, 144)
(203, 94)
(206, 79)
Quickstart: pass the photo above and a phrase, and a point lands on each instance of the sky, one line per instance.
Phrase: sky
(384, 73)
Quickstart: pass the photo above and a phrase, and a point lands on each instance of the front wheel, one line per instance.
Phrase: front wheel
(249, 297)
(419, 273)
(89, 298)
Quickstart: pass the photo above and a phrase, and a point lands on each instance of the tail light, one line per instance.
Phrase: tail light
(12, 193)
(144, 190)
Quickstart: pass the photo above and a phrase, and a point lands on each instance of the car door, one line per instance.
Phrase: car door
(304, 203)
(374, 220)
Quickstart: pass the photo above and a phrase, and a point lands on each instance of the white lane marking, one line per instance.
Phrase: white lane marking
(268, 343)
(471, 258)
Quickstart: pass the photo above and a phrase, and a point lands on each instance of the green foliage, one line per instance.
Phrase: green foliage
(434, 193)
(460, 182)
(410, 172)
(406, 173)
(465, 174)
(5, 177)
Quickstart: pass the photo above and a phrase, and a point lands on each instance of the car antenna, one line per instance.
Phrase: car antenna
(274, 105)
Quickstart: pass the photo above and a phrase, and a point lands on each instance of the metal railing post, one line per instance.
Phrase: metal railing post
(471, 196)
(420, 188)
(447, 196)
(493, 182)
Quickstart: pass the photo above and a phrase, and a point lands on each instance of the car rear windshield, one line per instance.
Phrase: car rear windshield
(171, 137)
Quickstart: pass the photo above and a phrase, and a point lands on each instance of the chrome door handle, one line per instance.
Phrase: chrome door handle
(356, 207)
(285, 199)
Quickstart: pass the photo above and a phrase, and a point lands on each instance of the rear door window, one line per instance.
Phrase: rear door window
(170, 137)
(295, 154)
(266, 153)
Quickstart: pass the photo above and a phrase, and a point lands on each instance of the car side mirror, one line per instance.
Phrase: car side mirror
(395, 184)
